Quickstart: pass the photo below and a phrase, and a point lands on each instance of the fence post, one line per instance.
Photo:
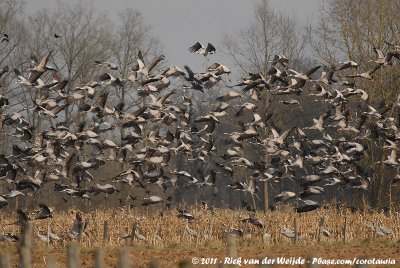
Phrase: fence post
(98, 258)
(185, 264)
(25, 250)
(5, 261)
(296, 230)
(73, 258)
(210, 228)
(156, 229)
(81, 229)
(374, 228)
(183, 234)
(320, 228)
(266, 205)
(265, 233)
(362, 266)
(154, 264)
(105, 232)
(48, 233)
(232, 250)
(51, 263)
(134, 226)
(123, 259)
(345, 229)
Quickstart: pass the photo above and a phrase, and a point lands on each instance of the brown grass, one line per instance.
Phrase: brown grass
(167, 232)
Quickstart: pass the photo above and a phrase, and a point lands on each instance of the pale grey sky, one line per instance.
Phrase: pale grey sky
(180, 23)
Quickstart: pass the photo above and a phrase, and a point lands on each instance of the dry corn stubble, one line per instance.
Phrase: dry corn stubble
(169, 230)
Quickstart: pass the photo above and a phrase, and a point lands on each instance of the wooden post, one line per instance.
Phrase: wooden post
(264, 237)
(296, 230)
(123, 259)
(25, 257)
(5, 261)
(362, 266)
(105, 232)
(25, 250)
(345, 229)
(320, 228)
(73, 258)
(156, 229)
(232, 250)
(134, 226)
(154, 264)
(390, 199)
(51, 263)
(185, 264)
(48, 233)
(81, 232)
(210, 228)
(254, 202)
(266, 203)
(183, 233)
(264, 265)
(374, 228)
(98, 258)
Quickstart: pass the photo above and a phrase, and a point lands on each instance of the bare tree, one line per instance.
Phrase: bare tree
(12, 30)
(351, 30)
(253, 48)
(12, 37)
(85, 37)
(270, 33)
(132, 35)
(348, 28)
(79, 35)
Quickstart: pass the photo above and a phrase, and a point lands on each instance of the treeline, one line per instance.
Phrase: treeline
(97, 62)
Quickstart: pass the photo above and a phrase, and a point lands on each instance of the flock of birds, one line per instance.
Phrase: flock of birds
(165, 125)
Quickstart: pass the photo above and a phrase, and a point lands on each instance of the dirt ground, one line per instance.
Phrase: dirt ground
(141, 256)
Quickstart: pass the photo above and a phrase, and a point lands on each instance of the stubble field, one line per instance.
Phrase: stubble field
(171, 240)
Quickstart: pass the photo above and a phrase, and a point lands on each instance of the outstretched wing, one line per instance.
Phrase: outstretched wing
(312, 70)
(373, 70)
(210, 49)
(45, 208)
(140, 56)
(154, 62)
(189, 71)
(196, 47)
